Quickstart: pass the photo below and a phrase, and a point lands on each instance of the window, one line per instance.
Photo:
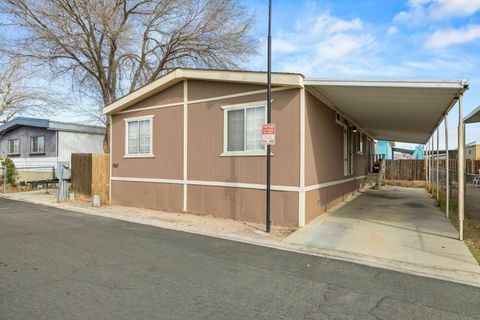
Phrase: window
(14, 146)
(243, 128)
(37, 144)
(138, 137)
(359, 144)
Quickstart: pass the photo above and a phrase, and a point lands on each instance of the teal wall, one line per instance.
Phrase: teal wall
(419, 153)
(383, 147)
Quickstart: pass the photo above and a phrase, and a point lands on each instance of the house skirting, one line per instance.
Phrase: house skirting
(319, 200)
(240, 202)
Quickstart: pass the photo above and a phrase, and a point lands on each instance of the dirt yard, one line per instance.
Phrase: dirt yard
(173, 220)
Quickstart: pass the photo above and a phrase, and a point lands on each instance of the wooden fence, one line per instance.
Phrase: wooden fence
(91, 174)
(415, 169)
(409, 170)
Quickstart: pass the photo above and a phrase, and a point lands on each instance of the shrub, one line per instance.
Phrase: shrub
(12, 173)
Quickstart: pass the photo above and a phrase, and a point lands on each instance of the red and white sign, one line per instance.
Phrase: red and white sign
(268, 134)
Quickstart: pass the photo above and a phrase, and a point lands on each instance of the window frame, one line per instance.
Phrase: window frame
(14, 153)
(139, 155)
(31, 144)
(241, 106)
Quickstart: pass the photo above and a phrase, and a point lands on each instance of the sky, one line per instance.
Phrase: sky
(408, 39)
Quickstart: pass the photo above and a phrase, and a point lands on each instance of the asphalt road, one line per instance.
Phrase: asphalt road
(56, 264)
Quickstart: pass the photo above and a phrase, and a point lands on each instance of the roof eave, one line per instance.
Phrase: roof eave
(177, 75)
(448, 84)
(470, 117)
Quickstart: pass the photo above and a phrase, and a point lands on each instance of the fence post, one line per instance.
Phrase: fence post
(5, 179)
(447, 170)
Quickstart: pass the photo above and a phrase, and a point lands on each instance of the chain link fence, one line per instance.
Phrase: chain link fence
(18, 179)
(472, 186)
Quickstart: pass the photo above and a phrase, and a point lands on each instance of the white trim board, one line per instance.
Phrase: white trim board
(180, 104)
(301, 194)
(234, 184)
(110, 157)
(185, 144)
(332, 183)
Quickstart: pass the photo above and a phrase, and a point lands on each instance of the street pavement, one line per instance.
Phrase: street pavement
(57, 264)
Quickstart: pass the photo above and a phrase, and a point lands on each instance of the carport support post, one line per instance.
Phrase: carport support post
(431, 165)
(447, 170)
(426, 166)
(438, 164)
(460, 167)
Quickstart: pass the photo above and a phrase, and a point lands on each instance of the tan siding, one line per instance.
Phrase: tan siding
(359, 162)
(243, 204)
(323, 143)
(320, 200)
(173, 94)
(205, 145)
(324, 159)
(167, 146)
(205, 137)
(168, 197)
(198, 89)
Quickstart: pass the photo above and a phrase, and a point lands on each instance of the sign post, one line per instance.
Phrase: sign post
(269, 109)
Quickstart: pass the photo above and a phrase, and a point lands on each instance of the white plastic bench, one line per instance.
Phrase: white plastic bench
(476, 180)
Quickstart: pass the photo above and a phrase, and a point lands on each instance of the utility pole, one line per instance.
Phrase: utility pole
(269, 109)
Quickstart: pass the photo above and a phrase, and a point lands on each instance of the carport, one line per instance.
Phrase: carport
(400, 110)
(395, 227)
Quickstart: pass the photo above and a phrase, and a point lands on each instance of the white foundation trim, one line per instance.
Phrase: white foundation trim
(185, 144)
(332, 183)
(207, 183)
(301, 193)
(241, 185)
(152, 180)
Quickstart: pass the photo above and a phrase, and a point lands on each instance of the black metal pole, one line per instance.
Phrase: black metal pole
(269, 107)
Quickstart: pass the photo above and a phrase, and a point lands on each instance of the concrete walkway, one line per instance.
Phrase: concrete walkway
(400, 228)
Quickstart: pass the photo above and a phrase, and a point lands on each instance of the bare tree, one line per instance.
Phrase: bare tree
(18, 95)
(112, 47)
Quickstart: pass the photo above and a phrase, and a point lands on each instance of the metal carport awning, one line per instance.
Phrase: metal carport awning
(473, 117)
(395, 110)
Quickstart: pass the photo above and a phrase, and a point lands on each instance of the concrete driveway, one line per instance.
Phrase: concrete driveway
(399, 228)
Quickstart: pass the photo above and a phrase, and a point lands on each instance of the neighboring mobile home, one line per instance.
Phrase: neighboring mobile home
(40, 143)
(191, 142)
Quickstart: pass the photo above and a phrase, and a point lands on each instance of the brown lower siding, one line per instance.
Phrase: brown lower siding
(168, 197)
(243, 204)
(320, 200)
(223, 202)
